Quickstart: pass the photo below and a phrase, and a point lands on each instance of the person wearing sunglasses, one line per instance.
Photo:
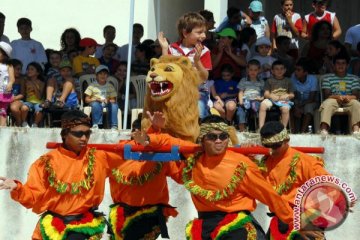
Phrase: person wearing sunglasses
(223, 184)
(289, 169)
(66, 185)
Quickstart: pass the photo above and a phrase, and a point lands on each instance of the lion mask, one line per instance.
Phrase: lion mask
(172, 88)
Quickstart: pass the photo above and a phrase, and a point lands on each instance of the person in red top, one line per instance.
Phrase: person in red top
(66, 185)
(289, 24)
(320, 14)
(140, 194)
(286, 169)
(223, 185)
(191, 29)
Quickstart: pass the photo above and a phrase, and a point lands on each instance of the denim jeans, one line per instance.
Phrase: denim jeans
(203, 109)
(97, 113)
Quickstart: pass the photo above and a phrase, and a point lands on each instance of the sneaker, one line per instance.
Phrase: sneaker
(34, 125)
(114, 128)
(356, 134)
(324, 133)
(95, 127)
(25, 124)
(45, 104)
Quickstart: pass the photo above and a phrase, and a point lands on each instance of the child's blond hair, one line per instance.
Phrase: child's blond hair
(188, 22)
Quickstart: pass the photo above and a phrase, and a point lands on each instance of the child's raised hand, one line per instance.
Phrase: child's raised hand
(162, 41)
(198, 49)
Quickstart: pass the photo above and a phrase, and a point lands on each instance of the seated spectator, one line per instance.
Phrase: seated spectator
(247, 42)
(283, 46)
(251, 90)
(156, 48)
(225, 91)
(27, 50)
(3, 37)
(258, 22)
(210, 40)
(107, 58)
(99, 95)
(138, 33)
(61, 93)
(340, 90)
(7, 79)
(333, 48)
(120, 75)
(141, 65)
(69, 41)
(226, 52)
(18, 92)
(85, 63)
(263, 47)
(354, 67)
(34, 89)
(53, 66)
(233, 19)
(204, 102)
(278, 91)
(320, 14)
(305, 101)
(315, 49)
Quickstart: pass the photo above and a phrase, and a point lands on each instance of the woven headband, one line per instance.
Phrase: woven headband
(76, 122)
(280, 137)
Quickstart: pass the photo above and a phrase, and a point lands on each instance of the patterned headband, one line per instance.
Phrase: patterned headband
(205, 128)
(281, 136)
(76, 122)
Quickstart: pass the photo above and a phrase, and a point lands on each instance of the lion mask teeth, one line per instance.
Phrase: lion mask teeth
(160, 88)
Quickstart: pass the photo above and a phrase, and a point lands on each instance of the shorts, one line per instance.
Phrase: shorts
(34, 107)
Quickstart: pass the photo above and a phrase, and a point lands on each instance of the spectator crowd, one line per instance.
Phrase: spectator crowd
(253, 69)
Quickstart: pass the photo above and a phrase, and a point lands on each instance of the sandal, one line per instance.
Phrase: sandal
(59, 104)
(45, 104)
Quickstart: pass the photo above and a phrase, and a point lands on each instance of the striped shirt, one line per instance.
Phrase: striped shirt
(340, 85)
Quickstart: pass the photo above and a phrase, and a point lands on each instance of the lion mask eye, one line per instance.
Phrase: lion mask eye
(169, 69)
(152, 69)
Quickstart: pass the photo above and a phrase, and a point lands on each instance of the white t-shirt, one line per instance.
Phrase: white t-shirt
(28, 51)
(259, 26)
(353, 36)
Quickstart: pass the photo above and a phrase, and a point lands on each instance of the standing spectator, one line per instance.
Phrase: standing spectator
(315, 49)
(107, 57)
(354, 67)
(233, 19)
(109, 33)
(258, 22)
(288, 23)
(352, 38)
(26, 49)
(227, 52)
(7, 80)
(320, 14)
(305, 101)
(18, 92)
(3, 38)
(34, 91)
(85, 63)
(251, 91)
(225, 91)
(340, 90)
(138, 33)
(278, 91)
(247, 42)
(283, 46)
(263, 47)
(210, 40)
(191, 28)
(120, 75)
(204, 102)
(70, 40)
(102, 94)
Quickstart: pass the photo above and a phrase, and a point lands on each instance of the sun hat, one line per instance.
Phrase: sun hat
(6, 48)
(227, 32)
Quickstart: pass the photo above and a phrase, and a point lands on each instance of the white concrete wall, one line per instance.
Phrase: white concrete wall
(20, 147)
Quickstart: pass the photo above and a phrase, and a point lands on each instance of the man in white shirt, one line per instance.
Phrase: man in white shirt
(25, 49)
(3, 38)
(138, 33)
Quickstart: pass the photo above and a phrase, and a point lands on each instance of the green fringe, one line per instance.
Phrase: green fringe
(138, 180)
(88, 230)
(139, 218)
(293, 234)
(236, 226)
(287, 185)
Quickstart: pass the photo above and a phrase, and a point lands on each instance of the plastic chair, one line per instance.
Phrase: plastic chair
(139, 83)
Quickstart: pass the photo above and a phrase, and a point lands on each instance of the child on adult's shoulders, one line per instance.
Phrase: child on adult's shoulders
(250, 92)
(279, 91)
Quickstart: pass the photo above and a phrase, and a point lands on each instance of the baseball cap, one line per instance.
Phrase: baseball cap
(101, 68)
(64, 64)
(256, 6)
(227, 32)
(6, 48)
(87, 42)
(263, 41)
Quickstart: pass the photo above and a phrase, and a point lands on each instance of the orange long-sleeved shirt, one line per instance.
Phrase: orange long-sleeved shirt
(154, 191)
(215, 172)
(278, 170)
(37, 194)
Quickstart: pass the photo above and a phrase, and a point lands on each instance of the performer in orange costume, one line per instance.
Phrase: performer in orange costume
(223, 185)
(140, 194)
(286, 169)
(66, 185)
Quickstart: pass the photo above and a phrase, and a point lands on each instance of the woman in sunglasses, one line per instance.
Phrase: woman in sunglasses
(66, 185)
(223, 184)
(289, 169)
